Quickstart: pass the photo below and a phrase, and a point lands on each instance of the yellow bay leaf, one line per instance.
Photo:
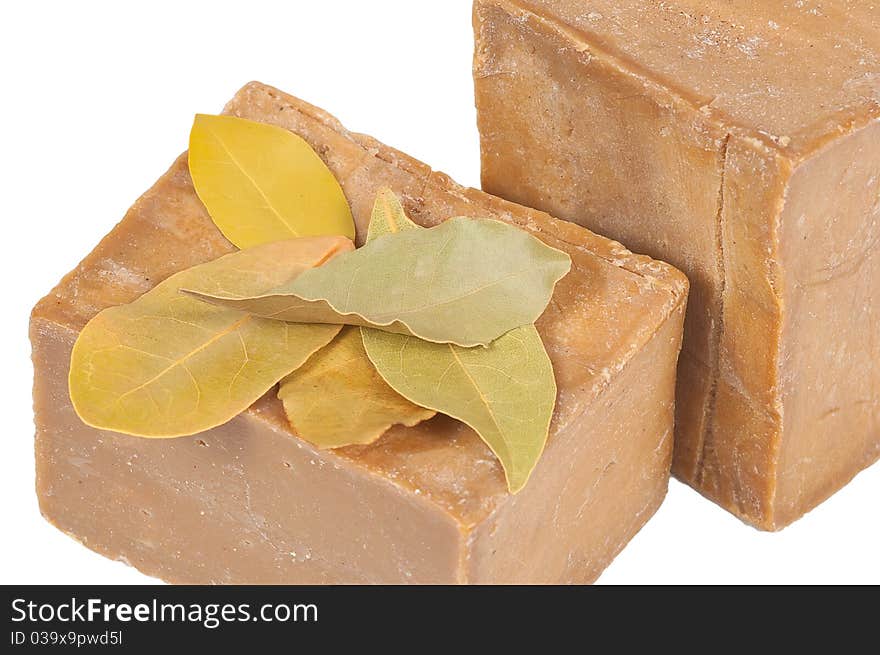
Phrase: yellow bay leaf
(506, 392)
(167, 365)
(262, 183)
(338, 398)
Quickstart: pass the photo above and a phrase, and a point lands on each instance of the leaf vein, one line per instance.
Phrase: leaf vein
(181, 360)
(253, 182)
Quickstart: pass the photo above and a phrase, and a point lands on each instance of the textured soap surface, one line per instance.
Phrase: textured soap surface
(251, 502)
(739, 141)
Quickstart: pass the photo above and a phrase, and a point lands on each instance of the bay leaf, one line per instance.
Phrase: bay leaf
(505, 392)
(466, 281)
(262, 183)
(339, 399)
(167, 365)
(388, 216)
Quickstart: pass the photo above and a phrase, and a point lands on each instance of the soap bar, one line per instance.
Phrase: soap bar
(250, 502)
(740, 142)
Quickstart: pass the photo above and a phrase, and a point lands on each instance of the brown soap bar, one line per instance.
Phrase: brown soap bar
(250, 502)
(739, 141)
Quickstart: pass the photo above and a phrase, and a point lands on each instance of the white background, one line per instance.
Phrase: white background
(97, 100)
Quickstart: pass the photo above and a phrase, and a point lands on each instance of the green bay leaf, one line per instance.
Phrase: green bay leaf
(506, 392)
(166, 365)
(388, 216)
(262, 183)
(466, 281)
(339, 399)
